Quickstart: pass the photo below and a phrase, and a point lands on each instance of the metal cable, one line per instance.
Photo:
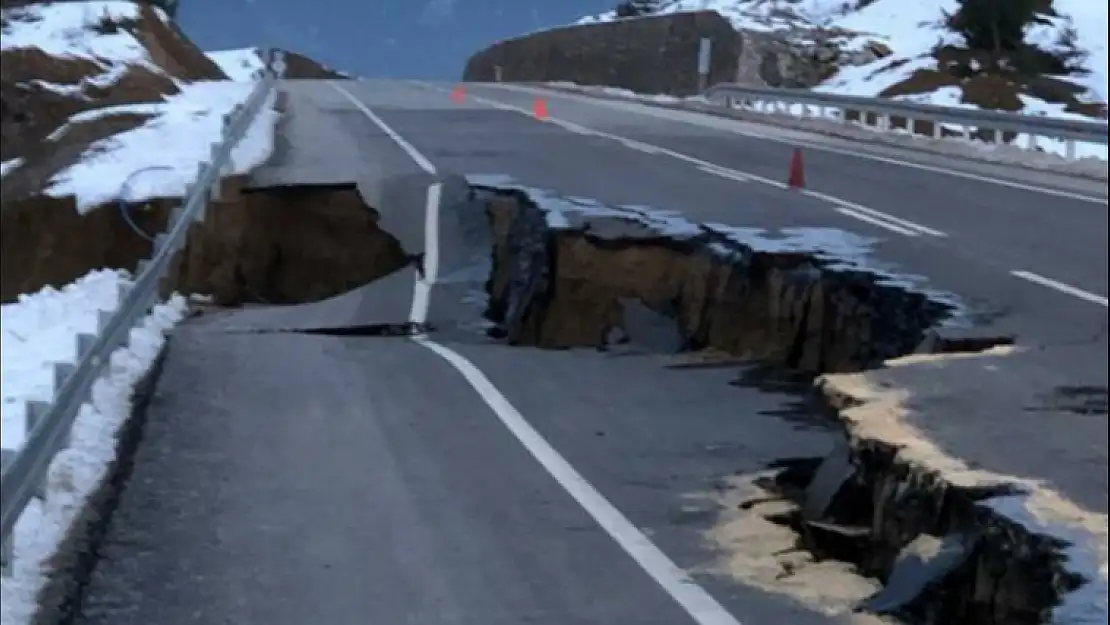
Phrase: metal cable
(123, 209)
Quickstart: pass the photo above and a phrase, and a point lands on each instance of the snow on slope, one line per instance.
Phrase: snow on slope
(242, 64)
(911, 30)
(67, 30)
(38, 330)
(170, 145)
(159, 158)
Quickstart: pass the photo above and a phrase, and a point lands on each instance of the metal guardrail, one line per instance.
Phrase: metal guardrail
(24, 471)
(888, 113)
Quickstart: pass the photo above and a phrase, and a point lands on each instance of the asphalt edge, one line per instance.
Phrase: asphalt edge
(73, 563)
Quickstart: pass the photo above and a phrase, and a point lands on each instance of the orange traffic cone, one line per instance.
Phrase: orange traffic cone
(797, 179)
(540, 109)
(458, 94)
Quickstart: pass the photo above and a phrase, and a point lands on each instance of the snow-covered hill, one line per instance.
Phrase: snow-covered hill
(913, 31)
(244, 64)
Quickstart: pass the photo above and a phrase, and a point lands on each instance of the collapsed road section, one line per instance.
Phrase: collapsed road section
(947, 544)
(922, 537)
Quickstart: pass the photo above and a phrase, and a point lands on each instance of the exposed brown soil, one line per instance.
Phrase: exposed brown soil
(991, 90)
(286, 246)
(46, 242)
(780, 308)
(172, 50)
(561, 287)
(30, 112)
(23, 187)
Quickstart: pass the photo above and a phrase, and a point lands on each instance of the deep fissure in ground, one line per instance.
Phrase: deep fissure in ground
(942, 556)
(607, 285)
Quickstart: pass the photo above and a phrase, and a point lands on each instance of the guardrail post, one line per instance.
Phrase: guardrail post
(178, 210)
(217, 178)
(161, 241)
(201, 167)
(63, 371)
(7, 545)
(225, 126)
(1070, 149)
(33, 412)
(497, 73)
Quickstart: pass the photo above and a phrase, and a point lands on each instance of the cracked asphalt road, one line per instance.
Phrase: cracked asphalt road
(287, 479)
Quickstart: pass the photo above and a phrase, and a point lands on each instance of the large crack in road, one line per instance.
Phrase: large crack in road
(575, 274)
(571, 273)
(895, 537)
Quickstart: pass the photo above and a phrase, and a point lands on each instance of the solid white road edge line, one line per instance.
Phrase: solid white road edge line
(646, 109)
(844, 207)
(702, 608)
(1061, 287)
(422, 287)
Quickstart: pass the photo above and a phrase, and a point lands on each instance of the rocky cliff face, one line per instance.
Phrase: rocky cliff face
(649, 55)
(786, 60)
(658, 54)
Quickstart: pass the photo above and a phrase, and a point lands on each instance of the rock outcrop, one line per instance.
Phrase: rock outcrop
(656, 54)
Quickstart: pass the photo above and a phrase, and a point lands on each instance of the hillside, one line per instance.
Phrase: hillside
(912, 50)
(246, 64)
(89, 88)
(104, 103)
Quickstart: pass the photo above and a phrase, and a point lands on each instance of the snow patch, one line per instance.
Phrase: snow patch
(68, 30)
(37, 330)
(244, 64)
(167, 147)
(8, 166)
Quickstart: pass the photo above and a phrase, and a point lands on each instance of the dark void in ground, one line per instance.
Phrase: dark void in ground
(570, 274)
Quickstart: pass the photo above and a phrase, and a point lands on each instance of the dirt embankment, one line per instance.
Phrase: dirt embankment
(924, 543)
(39, 93)
(300, 66)
(47, 241)
(998, 89)
(557, 288)
(275, 246)
(648, 55)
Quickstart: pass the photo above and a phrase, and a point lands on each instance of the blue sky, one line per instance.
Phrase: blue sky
(427, 39)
